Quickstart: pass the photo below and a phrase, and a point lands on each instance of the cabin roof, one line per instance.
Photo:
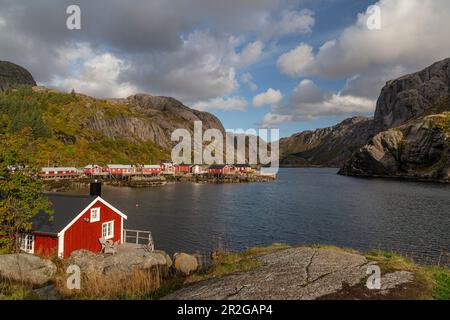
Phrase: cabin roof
(119, 166)
(65, 209)
(59, 169)
(152, 166)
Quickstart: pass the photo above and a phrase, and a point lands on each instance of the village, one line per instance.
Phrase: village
(123, 171)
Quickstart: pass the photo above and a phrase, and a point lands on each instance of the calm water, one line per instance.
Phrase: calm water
(304, 206)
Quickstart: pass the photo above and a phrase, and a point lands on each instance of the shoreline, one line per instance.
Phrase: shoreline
(62, 185)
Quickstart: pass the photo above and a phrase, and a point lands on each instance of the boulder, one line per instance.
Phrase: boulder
(185, 263)
(27, 268)
(122, 264)
(89, 262)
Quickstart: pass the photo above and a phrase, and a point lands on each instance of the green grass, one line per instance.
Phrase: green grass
(10, 290)
(441, 277)
(434, 281)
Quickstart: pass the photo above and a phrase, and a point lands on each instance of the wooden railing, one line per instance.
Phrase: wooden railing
(139, 238)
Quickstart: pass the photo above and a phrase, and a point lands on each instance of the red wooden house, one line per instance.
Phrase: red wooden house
(167, 168)
(219, 169)
(92, 169)
(151, 169)
(78, 222)
(119, 169)
(182, 168)
(62, 172)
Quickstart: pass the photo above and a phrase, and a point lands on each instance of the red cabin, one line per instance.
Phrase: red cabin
(182, 168)
(62, 172)
(119, 169)
(151, 169)
(77, 222)
(219, 169)
(167, 168)
(92, 169)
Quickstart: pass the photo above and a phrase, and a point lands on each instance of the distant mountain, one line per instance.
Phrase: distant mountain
(329, 147)
(413, 117)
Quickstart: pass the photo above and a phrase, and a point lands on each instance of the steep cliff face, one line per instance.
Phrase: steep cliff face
(414, 110)
(412, 95)
(151, 119)
(326, 147)
(419, 149)
(12, 75)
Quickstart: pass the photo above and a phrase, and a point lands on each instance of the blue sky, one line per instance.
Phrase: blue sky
(289, 64)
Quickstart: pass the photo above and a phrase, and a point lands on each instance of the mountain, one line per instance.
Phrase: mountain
(75, 129)
(413, 117)
(401, 100)
(329, 147)
(412, 95)
(12, 75)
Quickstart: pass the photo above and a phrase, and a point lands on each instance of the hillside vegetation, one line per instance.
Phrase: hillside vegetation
(60, 132)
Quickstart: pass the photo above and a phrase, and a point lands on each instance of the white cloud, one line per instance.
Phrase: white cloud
(291, 22)
(98, 75)
(224, 104)
(248, 55)
(270, 97)
(308, 102)
(272, 119)
(247, 78)
(296, 62)
(413, 35)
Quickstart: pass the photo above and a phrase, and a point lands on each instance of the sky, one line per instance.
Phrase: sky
(294, 65)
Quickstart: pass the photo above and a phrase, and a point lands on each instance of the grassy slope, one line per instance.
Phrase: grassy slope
(57, 120)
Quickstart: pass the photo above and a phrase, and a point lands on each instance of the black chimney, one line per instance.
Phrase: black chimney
(96, 188)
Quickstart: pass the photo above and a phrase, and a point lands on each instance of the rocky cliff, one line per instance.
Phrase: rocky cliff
(152, 119)
(412, 95)
(407, 99)
(413, 122)
(12, 75)
(329, 147)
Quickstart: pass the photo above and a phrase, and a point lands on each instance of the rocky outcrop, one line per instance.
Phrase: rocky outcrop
(329, 147)
(413, 95)
(413, 125)
(419, 149)
(296, 274)
(26, 268)
(12, 75)
(120, 265)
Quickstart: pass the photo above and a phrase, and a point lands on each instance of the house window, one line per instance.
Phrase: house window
(95, 214)
(27, 243)
(108, 230)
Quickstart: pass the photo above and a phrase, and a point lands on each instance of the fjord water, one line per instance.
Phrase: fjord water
(304, 206)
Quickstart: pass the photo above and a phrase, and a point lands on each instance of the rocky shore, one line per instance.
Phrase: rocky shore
(267, 273)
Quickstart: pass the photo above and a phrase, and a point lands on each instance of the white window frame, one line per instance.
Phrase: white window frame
(111, 234)
(95, 212)
(27, 243)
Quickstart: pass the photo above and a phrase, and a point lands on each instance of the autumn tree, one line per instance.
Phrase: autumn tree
(20, 190)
